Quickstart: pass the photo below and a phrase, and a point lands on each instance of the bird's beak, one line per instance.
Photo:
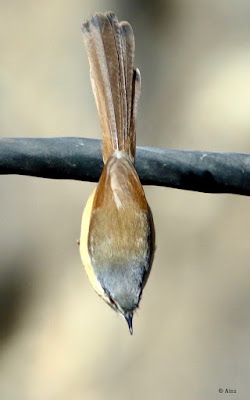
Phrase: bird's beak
(129, 318)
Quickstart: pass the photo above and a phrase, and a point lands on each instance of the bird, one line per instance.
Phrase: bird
(117, 239)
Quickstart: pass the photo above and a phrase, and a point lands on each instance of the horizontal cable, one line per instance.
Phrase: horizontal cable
(81, 159)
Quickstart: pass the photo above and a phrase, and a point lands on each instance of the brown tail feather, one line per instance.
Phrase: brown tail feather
(116, 85)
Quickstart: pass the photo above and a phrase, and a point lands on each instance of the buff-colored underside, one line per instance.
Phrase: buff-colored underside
(84, 245)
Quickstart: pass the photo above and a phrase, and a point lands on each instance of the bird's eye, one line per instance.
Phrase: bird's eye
(111, 300)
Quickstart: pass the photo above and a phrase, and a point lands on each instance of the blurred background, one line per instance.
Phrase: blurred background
(58, 340)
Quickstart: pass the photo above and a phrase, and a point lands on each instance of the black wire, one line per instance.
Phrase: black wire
(81, 159)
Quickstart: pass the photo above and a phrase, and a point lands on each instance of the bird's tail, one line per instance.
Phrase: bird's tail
(115, 82)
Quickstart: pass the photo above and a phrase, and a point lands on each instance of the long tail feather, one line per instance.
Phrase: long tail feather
(116, 85)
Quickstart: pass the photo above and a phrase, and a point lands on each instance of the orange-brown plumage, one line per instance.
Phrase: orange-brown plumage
(117, 237)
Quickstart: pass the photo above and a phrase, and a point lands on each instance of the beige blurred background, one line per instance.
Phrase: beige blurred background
(58, 340)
